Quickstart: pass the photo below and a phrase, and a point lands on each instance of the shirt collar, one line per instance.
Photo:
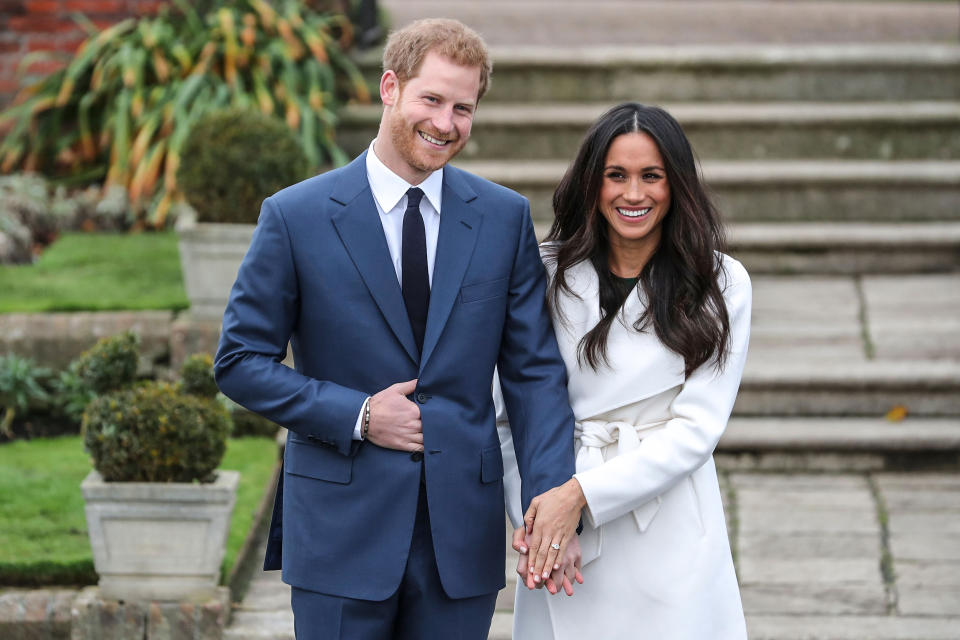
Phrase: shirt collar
(388, 188)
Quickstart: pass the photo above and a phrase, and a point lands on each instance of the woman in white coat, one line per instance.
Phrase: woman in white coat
(653, 322)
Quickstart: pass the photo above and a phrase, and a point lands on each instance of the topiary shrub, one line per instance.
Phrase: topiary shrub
(111, 363)
(155, 433)
(248, 423)
(233, 159)
(197, 376)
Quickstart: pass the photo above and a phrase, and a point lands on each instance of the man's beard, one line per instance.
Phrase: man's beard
(403, 137)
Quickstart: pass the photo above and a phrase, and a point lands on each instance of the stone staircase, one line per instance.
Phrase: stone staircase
(837, 165)
(838, 169)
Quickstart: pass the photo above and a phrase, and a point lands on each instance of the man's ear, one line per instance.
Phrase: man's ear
(389, 88)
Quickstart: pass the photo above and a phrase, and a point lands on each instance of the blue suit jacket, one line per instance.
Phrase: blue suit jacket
(318, 274)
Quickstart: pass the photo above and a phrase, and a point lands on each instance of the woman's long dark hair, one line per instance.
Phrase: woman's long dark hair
(681, 280)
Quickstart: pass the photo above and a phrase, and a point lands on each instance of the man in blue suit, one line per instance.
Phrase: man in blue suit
(401, 283)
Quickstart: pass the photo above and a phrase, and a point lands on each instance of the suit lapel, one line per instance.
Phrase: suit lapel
(358, 225)
(459, 226)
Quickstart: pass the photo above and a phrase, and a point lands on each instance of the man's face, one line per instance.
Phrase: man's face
(429, 117)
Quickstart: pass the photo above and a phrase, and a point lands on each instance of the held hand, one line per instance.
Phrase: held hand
(521, 545)
(564, 576)
(569, 570)
(551, 521)
(395, 420)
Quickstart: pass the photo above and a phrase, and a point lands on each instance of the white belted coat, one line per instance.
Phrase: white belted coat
(657, 561)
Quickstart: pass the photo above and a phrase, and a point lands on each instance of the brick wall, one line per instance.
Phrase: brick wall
(47, 25)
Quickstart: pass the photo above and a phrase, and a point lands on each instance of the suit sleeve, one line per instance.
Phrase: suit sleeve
(257, 325)
(699, 417)
(533, 377)
(511, 474)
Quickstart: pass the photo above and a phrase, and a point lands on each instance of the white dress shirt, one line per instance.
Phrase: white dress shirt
(390, 195)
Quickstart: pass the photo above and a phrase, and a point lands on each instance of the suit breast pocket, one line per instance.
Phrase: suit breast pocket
(481, 291)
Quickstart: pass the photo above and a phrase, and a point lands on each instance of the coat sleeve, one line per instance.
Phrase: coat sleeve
(257, 325)
(699, 415)
(533, 376)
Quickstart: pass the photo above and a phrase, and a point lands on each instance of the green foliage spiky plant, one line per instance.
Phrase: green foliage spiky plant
(122, 108)
(22, 387)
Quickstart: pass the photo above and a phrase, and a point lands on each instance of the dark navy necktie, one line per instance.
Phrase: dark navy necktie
(413, 260)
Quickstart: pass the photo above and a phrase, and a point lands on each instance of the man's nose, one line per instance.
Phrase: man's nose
(443, 121)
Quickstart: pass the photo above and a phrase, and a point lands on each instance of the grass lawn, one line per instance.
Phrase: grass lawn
(98, 272)
(43, 531)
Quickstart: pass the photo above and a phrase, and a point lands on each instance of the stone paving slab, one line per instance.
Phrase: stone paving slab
(857, 500)
(777, 482)
(817, 627)
(814, 318)
(934, 601)
(933, 573)
(808, 520)
(908, 522)
(925, 546)
(914, 316)
(920, 482)
(860, 599)
(763, 544)
(809, 571)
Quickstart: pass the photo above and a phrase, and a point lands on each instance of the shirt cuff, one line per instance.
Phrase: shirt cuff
(358, 428)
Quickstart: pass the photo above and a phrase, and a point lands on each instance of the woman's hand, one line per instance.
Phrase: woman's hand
(551, 523)
(563, 576)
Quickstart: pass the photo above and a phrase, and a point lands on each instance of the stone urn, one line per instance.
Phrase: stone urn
(210, 255)
(159, 541)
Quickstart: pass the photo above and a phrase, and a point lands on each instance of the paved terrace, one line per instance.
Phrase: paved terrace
(846, 556)
(825, 554)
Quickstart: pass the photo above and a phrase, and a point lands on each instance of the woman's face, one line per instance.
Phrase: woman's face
(634, 194)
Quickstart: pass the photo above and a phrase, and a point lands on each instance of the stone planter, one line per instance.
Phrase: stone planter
(159, 541)
(210, 255)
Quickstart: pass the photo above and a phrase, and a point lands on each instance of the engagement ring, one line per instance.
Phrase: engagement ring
(555, 546)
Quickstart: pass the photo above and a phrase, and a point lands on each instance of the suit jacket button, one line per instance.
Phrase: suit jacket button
(422, 397)
(416, 456)
(311, 437)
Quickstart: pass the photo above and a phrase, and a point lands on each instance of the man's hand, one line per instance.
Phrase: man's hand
(395, 420)
(563, 576)
(551, 522)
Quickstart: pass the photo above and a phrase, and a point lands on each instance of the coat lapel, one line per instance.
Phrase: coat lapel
(459, 226)
(358, 225)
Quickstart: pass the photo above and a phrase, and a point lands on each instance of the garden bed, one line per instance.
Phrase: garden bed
(43, 533)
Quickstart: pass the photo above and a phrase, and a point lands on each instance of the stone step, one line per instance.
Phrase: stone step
(782, 191)
(672, 22)
(835, 444)
(731, 131)
(848, 248)
(721, 72)
(784, 384)
(260, 625)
